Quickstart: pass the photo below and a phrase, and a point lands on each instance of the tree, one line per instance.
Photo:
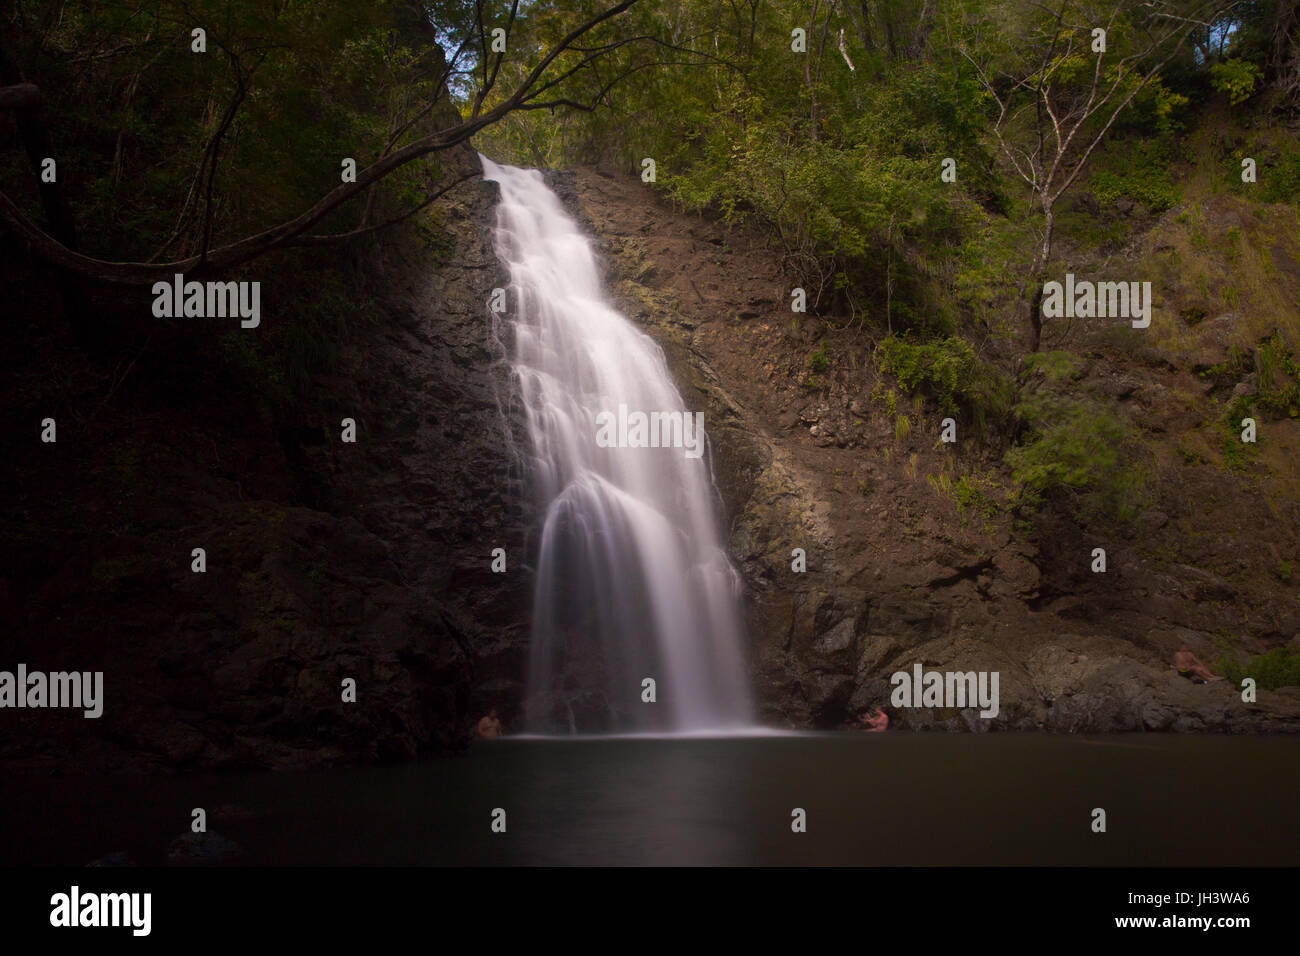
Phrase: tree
(1059, 86)
(1284, 50)
(535, 89)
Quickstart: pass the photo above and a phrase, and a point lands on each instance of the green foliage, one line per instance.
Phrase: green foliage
(887, 397)
(1236, 364)
(948, 372)
(839, 162)
(941, 483)
(1276, 393)
(1278, 384)
(819, 361)
(137, 114)
(1237, 78)
(1076, 450)
(1280, 179)
(1237, 455)
(841, 167)
(1276, 668)
(136, 117)
(944, 370)
(988, 263)
(1141, 173)
(977, 495)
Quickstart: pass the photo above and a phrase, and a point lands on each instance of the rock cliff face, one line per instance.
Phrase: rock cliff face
(439, 484)
(438, 487)
(897, 574)
(326, 560)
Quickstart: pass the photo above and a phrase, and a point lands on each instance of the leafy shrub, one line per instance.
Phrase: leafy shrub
(948, 372)
(1144, 176)
(1237, 78)
(819, 361)
(1276, 668)
(975, 494)
(1075, 450)
(1282, 184)
(1277, 385)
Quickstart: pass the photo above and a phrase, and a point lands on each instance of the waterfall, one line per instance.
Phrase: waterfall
(632, 581)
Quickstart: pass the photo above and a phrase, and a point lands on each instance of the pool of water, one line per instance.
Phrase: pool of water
(886, 799)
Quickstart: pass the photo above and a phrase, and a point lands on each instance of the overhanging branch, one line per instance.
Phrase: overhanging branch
(227, 257)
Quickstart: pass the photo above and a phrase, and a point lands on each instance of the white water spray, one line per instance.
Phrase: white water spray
(632, 580)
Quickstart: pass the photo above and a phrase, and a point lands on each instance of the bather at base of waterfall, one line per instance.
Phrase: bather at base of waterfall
(875, 720)
(489, 726)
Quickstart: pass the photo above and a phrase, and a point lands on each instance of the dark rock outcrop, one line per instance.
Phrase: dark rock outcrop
(326, 561)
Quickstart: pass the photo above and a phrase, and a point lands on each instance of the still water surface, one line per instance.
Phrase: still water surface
(889, 799)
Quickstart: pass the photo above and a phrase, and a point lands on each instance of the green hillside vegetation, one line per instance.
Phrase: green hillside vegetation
(828, 126)
(837, 155)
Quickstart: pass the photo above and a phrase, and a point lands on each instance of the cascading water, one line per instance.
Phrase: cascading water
(632, 581)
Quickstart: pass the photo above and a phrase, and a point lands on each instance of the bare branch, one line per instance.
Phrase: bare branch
(233, 254)
(332, 238)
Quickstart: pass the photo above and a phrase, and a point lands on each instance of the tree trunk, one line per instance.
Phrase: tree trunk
(861, 17)
(924, 24)
(1284, 50)
(1036, 280)
(36, 143)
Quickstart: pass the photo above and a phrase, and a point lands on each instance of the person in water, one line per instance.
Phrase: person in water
(489, 726)
(875, 720)
(1190, 666)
